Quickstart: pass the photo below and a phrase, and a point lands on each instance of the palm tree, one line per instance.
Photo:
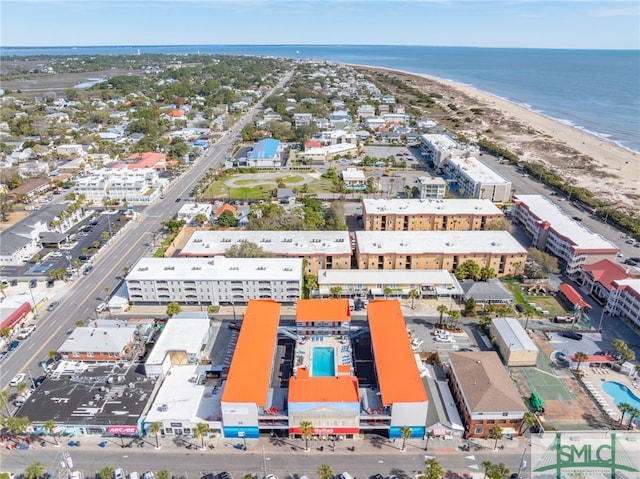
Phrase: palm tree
(335, 291)
(498, 471)
(201, 430)
(387, 292)
(633, 413)
(4, 400)
(580, 357)
(50, 426)
(454, 316)
(34, 470)
(528, 420)
(414, 294)
(22, 387)
(434, 470)
(497, 434)
(624, 407)
(325, 471)
(441, 309)
(106, 472)
(405, 432)
(486, 465)
(154, 428)
(306, 430)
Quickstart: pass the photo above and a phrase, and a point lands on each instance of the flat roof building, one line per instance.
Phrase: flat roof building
(514, 344)
(181, 342)
(265, 154)
(99, 344)
(438, 147)
(215, 280)
(554, 231)
(428, 215)
(439, 250)
(432, 187)
(477, 180)
(485, 394)
(624, 299)
(322, 250)
(401, 388)
(358, 283)
(354, 179)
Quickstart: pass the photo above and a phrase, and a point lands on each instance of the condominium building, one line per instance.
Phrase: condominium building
(428, 215)
(321, 250)
(360, 283)
(477, 180)
(438, 148)
(554, 231)
(624, 299)
(136, 187)
(217, 280)
(439, 250)
(432, 187)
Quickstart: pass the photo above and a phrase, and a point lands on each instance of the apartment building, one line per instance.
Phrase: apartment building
(432, 187)
(624, 299)
(192, 281)
(554, 231)
(437, 148)
(439, 250)
(136, 187)
(477, 180)
(321, 250)
(428, 214)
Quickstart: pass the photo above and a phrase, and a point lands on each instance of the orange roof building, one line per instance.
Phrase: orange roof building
(247, 386)
(323, 316)
(401, 387)
(147, 160)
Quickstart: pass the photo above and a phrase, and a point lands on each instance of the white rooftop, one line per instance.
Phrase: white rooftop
(97, 340)
(281, 243)
(564, 225)
(217, 268)
(431, 180)
(632, 283)
(439, 141)
(181, 398)
(514, 334)
(448, 242)
(397, 276)
(194, 209)
(353, 174)
(430, 206)
(185, 331)
(477, 170)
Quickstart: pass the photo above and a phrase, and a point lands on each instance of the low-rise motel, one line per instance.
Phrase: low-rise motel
(384, 393)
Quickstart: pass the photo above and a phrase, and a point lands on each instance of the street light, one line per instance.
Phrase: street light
(600, 323)
(33, 300)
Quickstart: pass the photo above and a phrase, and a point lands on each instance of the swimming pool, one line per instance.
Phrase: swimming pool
(620, 393)
(323, 362)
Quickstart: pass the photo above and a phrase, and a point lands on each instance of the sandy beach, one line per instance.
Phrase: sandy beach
(584, 160)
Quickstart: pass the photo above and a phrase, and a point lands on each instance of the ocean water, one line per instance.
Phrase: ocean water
(595, 90)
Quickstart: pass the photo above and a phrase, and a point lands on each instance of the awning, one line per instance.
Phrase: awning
(439, 432)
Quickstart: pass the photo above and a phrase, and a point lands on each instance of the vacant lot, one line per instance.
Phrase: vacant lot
(259, 186)
(549, 303)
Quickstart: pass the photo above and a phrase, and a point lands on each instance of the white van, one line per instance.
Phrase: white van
(134, 475)
(100, 308)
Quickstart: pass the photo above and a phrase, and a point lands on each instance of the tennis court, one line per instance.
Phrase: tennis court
(543, 380)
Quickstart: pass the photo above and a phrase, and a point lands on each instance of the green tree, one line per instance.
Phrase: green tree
(325, 471)
(633, 413)
(497, 434)
(50, 426)
(441, 309)
(200, 218)
(499, 224)
(414, 294)
(335, 291)
(201, 431)
(227, 219)
(154, 428)
(498, 471)
(34, 470)
(528, 420)
(580, 357)
(173, 308)
(164, 474)
(470, 308)
(487, 273)
(247, 249)
(106, 472)
(306, 430)
(624, 407)
(5, 396)
(454, 316)
(387, 292)
(433, 470)
(405, 433)
(486, 465)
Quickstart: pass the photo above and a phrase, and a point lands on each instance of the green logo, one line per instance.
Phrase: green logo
(600, 454)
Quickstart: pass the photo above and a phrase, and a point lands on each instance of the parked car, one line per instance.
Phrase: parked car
(118, 474)
(445, 339)
(571, 335)
(520, 308)
(17, 379)
(26, 332)
(561, 357)
(13, 345)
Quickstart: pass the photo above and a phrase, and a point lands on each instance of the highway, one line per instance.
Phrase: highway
(124, 249)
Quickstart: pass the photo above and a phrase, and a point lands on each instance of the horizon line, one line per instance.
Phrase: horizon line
(7, 47)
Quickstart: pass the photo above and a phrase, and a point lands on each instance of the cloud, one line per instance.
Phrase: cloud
(616, 12)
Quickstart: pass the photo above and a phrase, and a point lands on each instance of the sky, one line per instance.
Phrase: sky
(582, 24)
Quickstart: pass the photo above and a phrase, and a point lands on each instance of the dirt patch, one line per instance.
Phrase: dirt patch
(14, 218)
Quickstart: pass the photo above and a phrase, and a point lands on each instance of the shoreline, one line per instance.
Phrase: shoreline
(582, 158)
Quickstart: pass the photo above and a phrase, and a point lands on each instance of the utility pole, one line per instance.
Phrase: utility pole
(523, 462)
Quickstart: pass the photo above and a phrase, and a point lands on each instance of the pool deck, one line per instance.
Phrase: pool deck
(304, 350)
(594, 378)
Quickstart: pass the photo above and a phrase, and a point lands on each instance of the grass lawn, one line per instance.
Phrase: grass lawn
(252, 188)
(549, 303)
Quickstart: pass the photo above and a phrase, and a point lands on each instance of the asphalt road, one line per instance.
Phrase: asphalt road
(124, 249)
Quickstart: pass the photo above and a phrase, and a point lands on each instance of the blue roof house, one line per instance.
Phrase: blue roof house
(265, 154)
